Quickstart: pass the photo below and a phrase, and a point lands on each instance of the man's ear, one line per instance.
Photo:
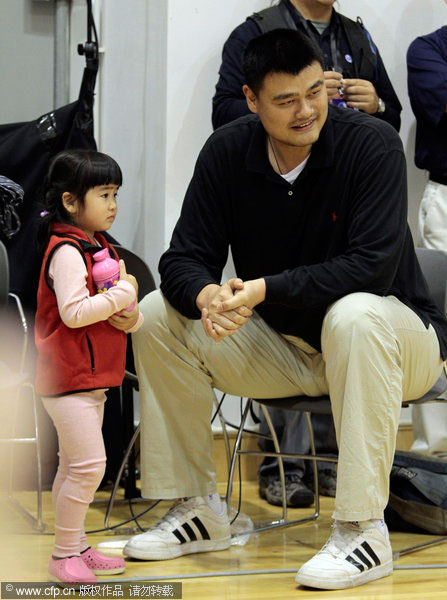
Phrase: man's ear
(250, 96)
(70, 203)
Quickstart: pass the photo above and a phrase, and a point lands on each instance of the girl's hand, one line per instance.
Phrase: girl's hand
(125, 320)
(125, 276)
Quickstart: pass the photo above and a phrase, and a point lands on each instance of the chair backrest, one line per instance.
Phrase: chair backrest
(4, 276)
(139, 269)
(434, 267)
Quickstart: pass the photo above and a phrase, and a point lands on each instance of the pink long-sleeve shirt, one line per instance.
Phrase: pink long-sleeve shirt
(76, 307)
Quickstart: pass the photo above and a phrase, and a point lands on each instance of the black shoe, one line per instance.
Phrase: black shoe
(327, 480)
(297, 494)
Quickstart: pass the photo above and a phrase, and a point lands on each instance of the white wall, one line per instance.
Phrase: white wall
(159, 104)
(196, 33)
(26, 59)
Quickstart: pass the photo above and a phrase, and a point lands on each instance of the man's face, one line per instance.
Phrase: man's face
(292, 108)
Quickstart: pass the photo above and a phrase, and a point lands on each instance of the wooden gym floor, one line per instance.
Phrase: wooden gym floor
(25, 555)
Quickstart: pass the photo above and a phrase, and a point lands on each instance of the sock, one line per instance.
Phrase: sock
(378, 524)
(214, 502)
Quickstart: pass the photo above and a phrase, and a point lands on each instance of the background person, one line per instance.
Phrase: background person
(348, 49)
(427, 89)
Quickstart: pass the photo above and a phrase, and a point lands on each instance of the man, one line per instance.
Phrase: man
(349, 52)
(329, 299)
(427, 88)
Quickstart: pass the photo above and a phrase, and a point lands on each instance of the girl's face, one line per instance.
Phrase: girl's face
(99, 210)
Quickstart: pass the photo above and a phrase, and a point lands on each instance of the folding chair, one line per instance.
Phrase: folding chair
(12, 385)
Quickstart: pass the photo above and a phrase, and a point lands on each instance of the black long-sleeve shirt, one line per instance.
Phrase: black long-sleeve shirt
(229, 101)
(339, 228)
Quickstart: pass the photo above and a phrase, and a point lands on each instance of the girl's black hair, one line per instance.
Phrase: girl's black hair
(73, 171)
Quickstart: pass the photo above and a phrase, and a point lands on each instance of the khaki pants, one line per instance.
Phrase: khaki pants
(376, 352)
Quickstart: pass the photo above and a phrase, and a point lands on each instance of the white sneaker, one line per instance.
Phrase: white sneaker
(189, 526)
(353, 555)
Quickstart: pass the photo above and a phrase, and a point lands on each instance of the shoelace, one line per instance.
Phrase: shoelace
(293, 478)
(171, 519)
(341, 538)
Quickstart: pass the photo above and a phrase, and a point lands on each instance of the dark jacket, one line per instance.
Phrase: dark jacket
(340, 228)
(25, 153)
(427, 88)
(74, 359)
(353, 42)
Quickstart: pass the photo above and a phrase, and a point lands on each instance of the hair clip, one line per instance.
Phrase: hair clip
(44, 213)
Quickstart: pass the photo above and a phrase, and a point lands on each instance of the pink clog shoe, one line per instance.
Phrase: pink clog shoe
(100, 564)
(70, 570)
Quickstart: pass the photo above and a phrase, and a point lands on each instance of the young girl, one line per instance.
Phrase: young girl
(81, 344)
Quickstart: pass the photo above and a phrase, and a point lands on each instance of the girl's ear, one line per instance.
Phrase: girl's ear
(70, 203)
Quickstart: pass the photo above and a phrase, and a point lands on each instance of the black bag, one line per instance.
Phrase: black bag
(25, 152)
(418, 494)
(11, 196)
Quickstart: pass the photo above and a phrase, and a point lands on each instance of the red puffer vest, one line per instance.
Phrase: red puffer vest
(74, 359)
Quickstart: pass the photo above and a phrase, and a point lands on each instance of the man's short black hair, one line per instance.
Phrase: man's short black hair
(278, 51)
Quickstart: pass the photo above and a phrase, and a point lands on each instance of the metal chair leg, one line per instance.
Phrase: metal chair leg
(37, 523)
(280, 462)
(310, 429)
(118, 477)
(236, 448)
(40, 525)
(265, 526)
(224, 432)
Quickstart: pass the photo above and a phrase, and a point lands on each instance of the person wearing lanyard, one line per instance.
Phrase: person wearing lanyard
(352, 66)
(352, 61)
(427, 89)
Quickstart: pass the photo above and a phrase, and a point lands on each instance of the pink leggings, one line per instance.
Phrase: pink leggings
(82, 459)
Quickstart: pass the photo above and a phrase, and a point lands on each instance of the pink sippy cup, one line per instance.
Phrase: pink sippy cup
(106, 273)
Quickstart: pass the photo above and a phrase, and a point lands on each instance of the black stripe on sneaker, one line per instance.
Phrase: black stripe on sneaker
(201, 527)
(371, 552)
(359, 566)
(189, 530)
(363, 558)
(179, 536)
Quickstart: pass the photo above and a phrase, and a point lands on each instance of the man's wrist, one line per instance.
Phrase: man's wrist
(259, 289)
(206, 294)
